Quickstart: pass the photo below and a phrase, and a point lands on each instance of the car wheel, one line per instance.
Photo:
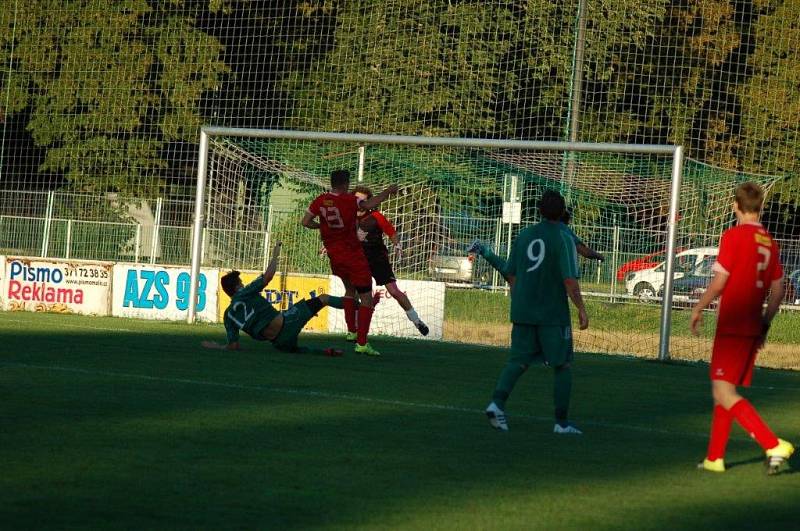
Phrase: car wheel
(644, 291)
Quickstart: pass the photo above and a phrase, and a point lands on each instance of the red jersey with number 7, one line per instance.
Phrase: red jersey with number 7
(751, 258)
(337, 220)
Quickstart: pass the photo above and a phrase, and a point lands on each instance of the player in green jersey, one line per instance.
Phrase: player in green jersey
(542, 270)
(249, 311)
(499, 263)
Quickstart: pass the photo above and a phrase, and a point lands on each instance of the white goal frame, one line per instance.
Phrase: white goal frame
(676, 152)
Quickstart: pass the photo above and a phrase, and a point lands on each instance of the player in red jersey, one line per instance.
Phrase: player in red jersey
(337, 223)
(372, 225)
(747, 271)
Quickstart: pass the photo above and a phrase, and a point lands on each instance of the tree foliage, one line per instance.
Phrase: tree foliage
(109, 88)
(108, 85)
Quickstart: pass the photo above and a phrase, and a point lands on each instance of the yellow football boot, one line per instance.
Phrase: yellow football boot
(717, 465)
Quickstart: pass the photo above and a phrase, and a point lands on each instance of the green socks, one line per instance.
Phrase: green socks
(562, 390)
(508, 379)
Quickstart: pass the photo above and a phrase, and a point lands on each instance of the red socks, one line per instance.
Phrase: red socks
(721, 422)
(746, 415)
(349, 306)
(364, 318)
(357, 318)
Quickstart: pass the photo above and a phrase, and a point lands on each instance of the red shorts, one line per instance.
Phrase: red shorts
(352, 267)
(732, 359)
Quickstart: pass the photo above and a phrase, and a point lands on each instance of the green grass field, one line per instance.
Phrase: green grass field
(628, 317)
(122, 424)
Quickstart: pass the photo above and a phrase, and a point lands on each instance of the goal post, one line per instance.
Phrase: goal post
(204, 201)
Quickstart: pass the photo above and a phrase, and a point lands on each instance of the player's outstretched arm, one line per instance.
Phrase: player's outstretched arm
(496, 262)
(712, 292)
(587, 252)
(272, 267)
(574, 293)
(375, 200)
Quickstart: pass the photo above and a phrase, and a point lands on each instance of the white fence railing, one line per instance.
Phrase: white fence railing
(53, 237)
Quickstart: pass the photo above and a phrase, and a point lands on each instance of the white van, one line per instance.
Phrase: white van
(646, 283)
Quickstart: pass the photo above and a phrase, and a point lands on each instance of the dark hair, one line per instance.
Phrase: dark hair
(230, 282)
(361, 189)
(552, 205)
(750, 197)
(340, 178)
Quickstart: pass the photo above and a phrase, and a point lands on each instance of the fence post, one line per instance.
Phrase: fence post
(362, 157)
(203, 245)
(599, 272)
(267, 237)
(69, 237)
(614, 260)
(156, 229)
(498, 229)
(137, 243)
(265, 254)
(48, 220)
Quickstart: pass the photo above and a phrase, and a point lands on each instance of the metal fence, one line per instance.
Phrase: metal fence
(249, 249)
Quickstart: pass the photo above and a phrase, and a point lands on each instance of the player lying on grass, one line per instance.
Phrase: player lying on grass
(747, 271)
(334, 213)
(249, 311)
(499, 264)
(372, 225)
(542, 270)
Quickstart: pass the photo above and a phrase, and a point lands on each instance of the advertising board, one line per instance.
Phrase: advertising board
(162, 292)
(61, 286)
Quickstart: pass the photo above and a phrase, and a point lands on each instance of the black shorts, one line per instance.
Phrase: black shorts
(379, 266)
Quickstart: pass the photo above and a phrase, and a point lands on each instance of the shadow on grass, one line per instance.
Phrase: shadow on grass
(140, 436)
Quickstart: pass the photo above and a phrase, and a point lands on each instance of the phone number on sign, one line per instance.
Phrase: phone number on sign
(85, 272)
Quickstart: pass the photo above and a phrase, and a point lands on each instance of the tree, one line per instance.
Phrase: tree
(409, 67)
(771, 99)
(109, 85)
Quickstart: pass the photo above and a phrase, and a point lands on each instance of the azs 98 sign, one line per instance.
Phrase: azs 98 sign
(155, 292)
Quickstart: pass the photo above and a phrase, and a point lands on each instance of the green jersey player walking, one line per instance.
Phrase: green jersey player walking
(542, 270)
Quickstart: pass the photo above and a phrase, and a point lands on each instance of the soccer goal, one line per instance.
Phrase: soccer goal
(638, 205)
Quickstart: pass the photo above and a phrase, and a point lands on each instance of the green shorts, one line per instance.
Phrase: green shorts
(551, 345)
(294, 319)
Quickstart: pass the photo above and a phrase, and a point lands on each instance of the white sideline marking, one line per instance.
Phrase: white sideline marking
(68, 325)
(348, 397)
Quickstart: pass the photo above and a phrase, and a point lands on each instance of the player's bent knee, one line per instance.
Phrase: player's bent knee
(563, 367)
(724, 393)
(315, 304)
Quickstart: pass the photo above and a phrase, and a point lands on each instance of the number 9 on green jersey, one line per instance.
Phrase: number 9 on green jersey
(542, 257)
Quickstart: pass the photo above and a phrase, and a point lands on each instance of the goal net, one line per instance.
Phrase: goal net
(257, 189)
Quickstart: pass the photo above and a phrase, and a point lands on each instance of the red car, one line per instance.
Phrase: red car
(643, 262)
